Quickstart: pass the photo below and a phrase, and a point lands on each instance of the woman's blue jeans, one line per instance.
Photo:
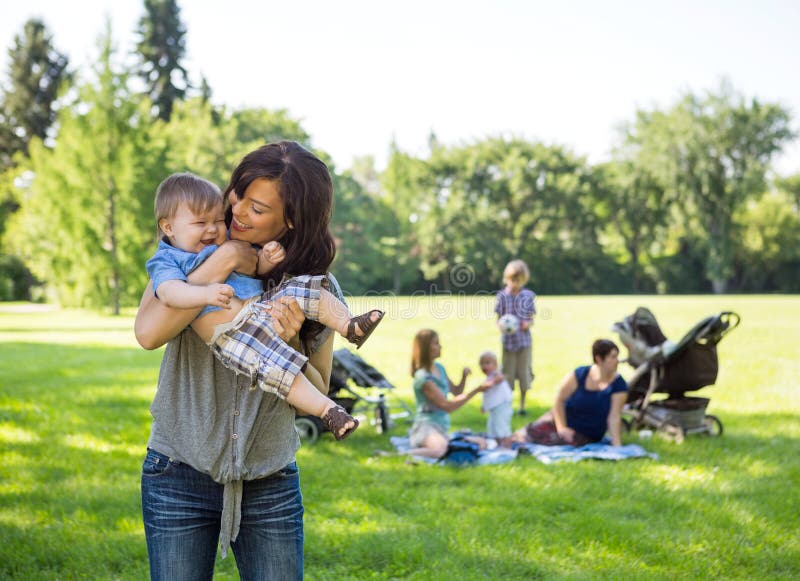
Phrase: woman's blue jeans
(182, 509)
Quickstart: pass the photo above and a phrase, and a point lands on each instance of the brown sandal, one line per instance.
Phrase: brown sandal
(366, 324)
(335, 419)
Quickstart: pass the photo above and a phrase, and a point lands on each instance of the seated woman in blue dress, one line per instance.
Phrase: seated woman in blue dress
(589, 403)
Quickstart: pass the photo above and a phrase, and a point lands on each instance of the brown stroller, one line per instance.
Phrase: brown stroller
(674, 369)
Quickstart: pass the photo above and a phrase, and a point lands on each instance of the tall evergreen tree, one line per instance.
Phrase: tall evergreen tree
(86, 223)
(162, 46)
(36, 73)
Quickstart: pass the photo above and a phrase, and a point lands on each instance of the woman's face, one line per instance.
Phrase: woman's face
(611, 362)
(258, 215)
(436, 348)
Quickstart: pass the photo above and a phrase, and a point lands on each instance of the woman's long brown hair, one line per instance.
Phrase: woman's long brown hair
(306, 189)
(421, 357)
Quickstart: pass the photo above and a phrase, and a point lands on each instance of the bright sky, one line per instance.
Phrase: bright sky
(360, 72)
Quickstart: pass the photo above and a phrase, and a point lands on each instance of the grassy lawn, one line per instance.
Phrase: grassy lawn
(74, 396)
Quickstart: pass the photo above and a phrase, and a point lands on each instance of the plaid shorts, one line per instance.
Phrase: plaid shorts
(252, 347)
(305, 289)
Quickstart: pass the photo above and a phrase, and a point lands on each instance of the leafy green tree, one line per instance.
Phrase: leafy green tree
(194, 141)
(10, 180)
(257, 126)
(86, 222)
(360, 219)
(162, 46)
(36, 73)
(713, 152)
(791, 186)
(482, 204)
(634, 206)
(767, 252)
(210, 141)
(400, 187)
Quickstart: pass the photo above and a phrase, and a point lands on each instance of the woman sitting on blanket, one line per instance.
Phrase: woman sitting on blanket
(588, 403)
(429, 433)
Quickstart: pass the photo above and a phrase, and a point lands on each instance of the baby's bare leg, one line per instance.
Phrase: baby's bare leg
(309, 401)
(333, 313)
(306, 398)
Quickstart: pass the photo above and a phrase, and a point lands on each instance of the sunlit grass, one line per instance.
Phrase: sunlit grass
(75, 391)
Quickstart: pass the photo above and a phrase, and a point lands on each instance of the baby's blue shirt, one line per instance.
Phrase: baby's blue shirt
(170, 263)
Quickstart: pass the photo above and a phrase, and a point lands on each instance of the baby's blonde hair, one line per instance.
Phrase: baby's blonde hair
(488, 355)
(199, 194)
(516, 268)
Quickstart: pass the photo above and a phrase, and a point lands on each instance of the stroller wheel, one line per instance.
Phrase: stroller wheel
(307, 428)
(673, 432)
(713, 425)
(382, 421)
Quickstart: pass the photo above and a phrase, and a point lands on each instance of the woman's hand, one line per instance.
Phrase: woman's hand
(287, 317)
(490, 382)
(615, 417)
(465, 373)
(567, 434)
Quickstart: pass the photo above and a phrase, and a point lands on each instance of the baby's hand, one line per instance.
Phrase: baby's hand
(219, 295)
(270, 255)
(273, 252)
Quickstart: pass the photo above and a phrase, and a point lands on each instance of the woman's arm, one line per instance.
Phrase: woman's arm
(319, 366)
(568, 386)
(157, 323)
(615, 417)
(458, 389)
(435, 396)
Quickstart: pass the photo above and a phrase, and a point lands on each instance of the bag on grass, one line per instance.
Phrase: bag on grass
(460, 453)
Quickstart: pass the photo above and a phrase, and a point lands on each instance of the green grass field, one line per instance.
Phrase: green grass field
(74, 396)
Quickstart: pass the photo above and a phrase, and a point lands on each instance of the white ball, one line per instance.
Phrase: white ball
(508, 324)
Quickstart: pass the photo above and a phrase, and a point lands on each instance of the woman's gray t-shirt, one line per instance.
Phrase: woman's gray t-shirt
(206, 416)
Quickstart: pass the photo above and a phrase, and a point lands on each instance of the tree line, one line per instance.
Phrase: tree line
(687, 204)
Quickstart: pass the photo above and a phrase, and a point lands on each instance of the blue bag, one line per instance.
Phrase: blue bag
(460, 453)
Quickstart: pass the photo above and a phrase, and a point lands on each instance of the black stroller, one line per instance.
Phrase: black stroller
(349, 375)
(672, 368)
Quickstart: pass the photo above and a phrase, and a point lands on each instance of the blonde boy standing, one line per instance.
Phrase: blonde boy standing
(516, 300)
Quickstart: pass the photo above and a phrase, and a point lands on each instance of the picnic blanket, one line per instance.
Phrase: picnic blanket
(545, 454)
(596, 451)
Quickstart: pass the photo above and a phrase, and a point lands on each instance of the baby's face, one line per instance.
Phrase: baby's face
(192, 232)
(488, 365)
